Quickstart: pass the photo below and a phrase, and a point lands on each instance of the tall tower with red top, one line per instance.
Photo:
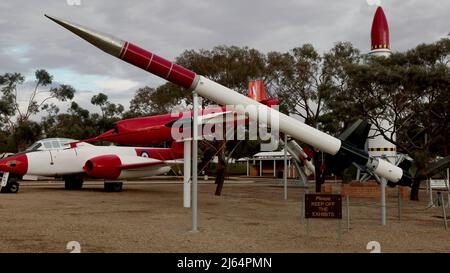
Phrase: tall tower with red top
(378, 146)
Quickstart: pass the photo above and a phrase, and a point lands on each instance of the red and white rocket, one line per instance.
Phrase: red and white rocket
(378, 146)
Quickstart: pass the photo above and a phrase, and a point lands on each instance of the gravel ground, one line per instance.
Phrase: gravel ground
(250, 216)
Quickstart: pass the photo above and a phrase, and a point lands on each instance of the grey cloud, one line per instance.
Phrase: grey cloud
(168, 27)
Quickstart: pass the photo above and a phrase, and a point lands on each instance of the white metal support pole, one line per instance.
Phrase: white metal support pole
(383, 201)
(347, 197)
(444, 212)
(187, 174)
(289, 169)
(448, 187)
(339, 229)
(194, 162)
(274, 168)
(285, 167)
(260, 167)
(430, 194)
(248, 168)
(399, 203)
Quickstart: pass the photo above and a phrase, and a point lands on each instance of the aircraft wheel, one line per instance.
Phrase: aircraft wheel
(14, 187)
(113, 186)
(73, 183)
(11, 187)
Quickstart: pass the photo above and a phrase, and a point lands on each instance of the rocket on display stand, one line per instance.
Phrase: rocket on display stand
(222, 95)
(377, 145)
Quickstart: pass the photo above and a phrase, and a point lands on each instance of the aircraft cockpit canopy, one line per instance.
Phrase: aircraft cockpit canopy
(50, 144)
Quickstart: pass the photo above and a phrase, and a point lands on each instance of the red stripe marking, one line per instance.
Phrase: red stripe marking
(149, 62)
(158, 66)
(181, 76)
(170, 70)
(123, 50)
(137, 56)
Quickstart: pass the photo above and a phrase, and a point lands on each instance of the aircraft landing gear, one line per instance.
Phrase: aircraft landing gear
(113, 186)
(11, 187)
(73, 183)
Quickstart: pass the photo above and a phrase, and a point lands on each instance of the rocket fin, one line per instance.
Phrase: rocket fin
(356, 134)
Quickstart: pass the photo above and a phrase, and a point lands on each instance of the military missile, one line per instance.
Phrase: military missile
(222, 95)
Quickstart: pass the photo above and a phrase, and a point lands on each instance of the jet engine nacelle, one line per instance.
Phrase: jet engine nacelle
(124, 167)
(105, 166)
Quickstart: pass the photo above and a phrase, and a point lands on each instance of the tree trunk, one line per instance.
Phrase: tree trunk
(220, 172)
(414, 196)
(318, 168)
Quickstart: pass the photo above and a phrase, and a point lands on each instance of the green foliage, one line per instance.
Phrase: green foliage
(43, 78)
(9, 83)
(231, 66)
(17, 122)
(63, 92)
(100, 99)
(142, 104)
(232, 169)
(304, 81)
(149, 101)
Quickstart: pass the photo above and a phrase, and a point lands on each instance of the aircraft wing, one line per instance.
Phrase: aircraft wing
(213, 118)
(149, 164)
(216, 118)
(139, 165)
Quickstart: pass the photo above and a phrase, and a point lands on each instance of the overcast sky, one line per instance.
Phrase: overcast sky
(29, 41)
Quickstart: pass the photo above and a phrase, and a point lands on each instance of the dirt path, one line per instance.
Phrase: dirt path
(249, 217)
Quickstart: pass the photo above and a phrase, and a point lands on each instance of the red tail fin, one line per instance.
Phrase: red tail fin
(257, 91)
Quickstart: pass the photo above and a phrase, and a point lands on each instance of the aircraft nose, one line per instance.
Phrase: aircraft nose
(15, 164)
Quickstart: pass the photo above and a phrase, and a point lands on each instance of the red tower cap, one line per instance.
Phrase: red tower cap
(380, 31)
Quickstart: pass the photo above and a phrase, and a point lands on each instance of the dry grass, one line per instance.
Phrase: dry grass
(249, 217)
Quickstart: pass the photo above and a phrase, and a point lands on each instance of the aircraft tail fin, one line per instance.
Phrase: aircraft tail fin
(257, 91)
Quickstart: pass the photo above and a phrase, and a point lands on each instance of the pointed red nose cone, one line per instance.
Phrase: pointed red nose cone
(380, 31)
(17, 164)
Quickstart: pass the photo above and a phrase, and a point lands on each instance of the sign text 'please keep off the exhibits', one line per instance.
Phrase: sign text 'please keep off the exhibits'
(323, 206)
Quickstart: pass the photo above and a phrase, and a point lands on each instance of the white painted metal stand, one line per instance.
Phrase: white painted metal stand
(285, 167)
(430, 194)
(383, 183)
(194, 162)
(187, 174)
(383, 201)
